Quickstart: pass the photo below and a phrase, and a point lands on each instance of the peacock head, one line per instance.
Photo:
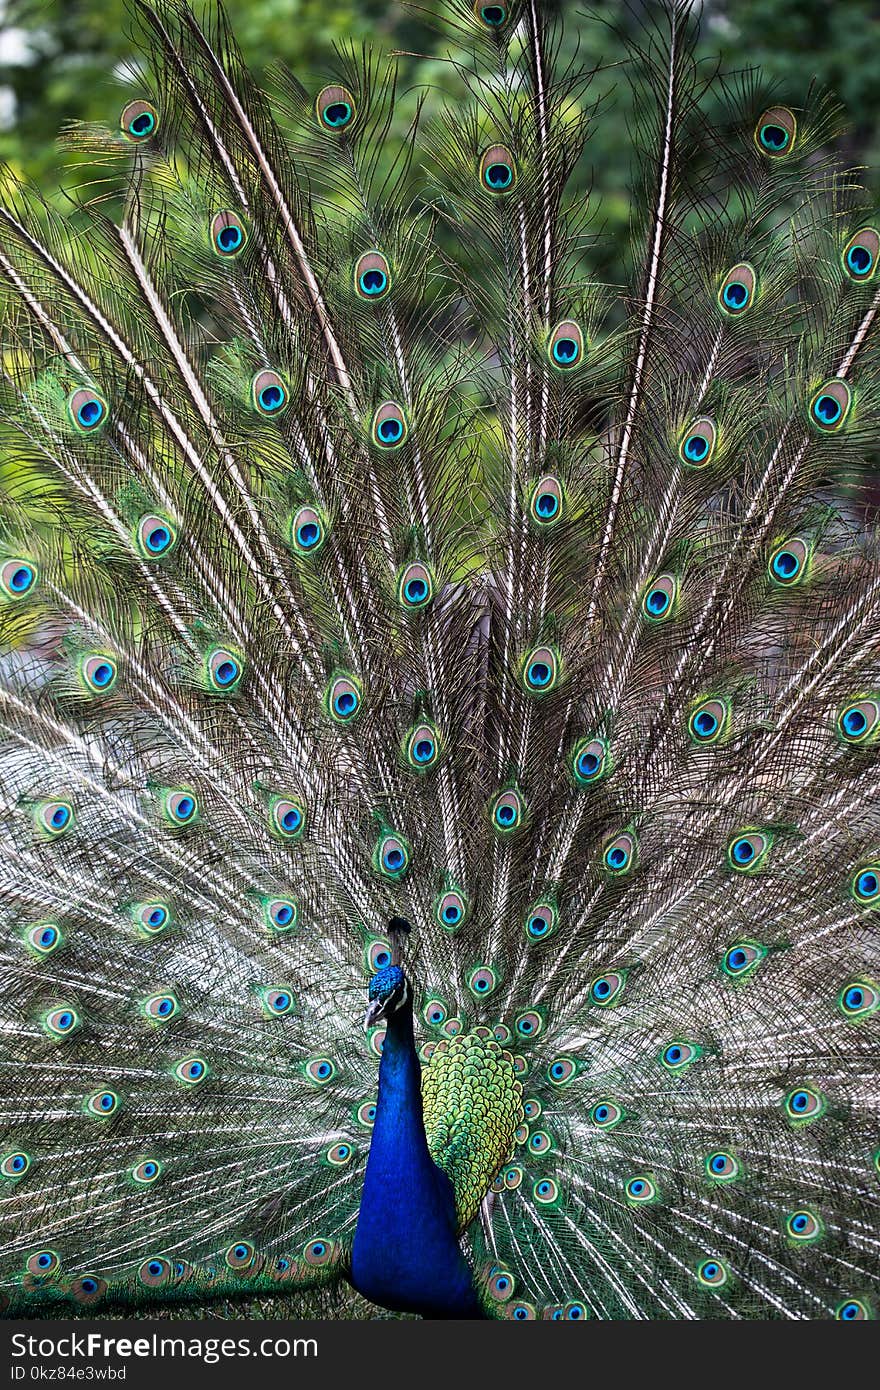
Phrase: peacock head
(389, 990)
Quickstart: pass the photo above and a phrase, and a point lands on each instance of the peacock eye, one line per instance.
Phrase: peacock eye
(698, 442)
(502, 1034)
(308, 531)
(532, 1109)
(181, 807)
(866, 885)
(392, 856)
(269, 393)
(87, 410)
(318, 1252)
(17, 578)
(378, 955)
(366, 1114)
(228, 234)
(498, 170)
(224, 670)
(139, 121)
(606, 1114)
(320, 1070)
(659, 599)
(788, 562)
(336, 110)
(287, 818)
(343, 699)
(14, 1165)
(146, 1172)
(160, 1007)
(451, 910)
(708, 721)
(521, 1312)
(859, 722)
(529, 1024)
(61, 1022)
(540, 671)
(561, 1070)
(830, 406)
(743, 958)
(415, 588)
(858, 999)
(192, 1071)
(240, 1255)
(607, 989)
(547, 501)
(501, 1285)
(155, 1271)
(678, 1055)
(748, 851)
(545, 1191)
(507, 812)
(155, 536)
(389, 427)
(590, 761)
(435, 1013)
(43, 1264)
(619, 854)
(722, 1167)
(803, 1226)
(98, 673)
(738, 288)
(640, 1189)
(88, 1288)
(44, 938)
(493, 16)
(54, 818)
(540, 1142)
(541, 922)
(860, 254)
(853, 1310)
(712, 1274)
(574, 1312)
(482, 982)
(277, 1002)
(102, 1103)
(150, 918)
(776, 132)
(340, 1155)
(566, 346)
(803, 1104)
(372, 276)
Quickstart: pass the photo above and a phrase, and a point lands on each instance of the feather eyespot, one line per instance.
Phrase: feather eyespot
(640, 1189)
(619, 854)
(61, 1022)
(743, 958)
(513, 1176)
(547, 501)
(88, 1288)
(830, 406)
(87, 410)
(269, 394)
(415, 588)
(541, 922)
(738, 288)
(281, 915)
(17, 578)
(287, 818)
(660, 598)
(320, 1070)
(722, 1167)
(44, 938)
(98, 673)
(748, 851)
(712, 1274)
(853, 1310)
(372, 276)
(540, 1142)
(192, 1071)
(492, 15)
(861, 253)
(336, 109)
(858, 999)
(366, 1114)
(240, 1256)
(391, 857)
(343, 699)
(139, 121)
(707, 721)
(566, 346)
(678, 1055)
(156, 1271)
(277, 1001)
(859, 722)
(803, 1226)
(607, 989)
(148, 1171)
(506, 810)
(340, 1155)
(540, 671)
(155, 536)
(228, 234)
(180, 807)
(590, 761)
(378, 955)
(102, 1103)
(776, 132)
(451, 910)
(318, 1252)
(150, 918)
(54, 818)
(498, 170)
(435, 1013)
(44, 1264)
(803, 1105)
(389, 427)
(787, 565)
(14, 1165)
(606, 1114)
(224, 670)
(482, 982)
(501, 1285)
(574, 1311)
(698, 442)
(308, 531)
(529, 1025)
(866, 885)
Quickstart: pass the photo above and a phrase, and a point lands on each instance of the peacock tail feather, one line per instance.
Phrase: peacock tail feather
(363, 556)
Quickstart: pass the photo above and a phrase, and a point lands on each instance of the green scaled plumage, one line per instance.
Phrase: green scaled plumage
(361, 556)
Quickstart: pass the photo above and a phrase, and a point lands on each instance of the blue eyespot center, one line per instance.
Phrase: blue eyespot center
(184, 808)
(859, 259)
(230, 237)
(393, 858)
(854, 722)
(291, 819)
(565, 351)
(868, 884)
(547, 505)
(89, 413)
(60, 817)
(705, 723)
(390, 431)
(588, 764)
(673, 1054)
(416, 590)
(601, 989)
(616, 857)
(141, 125)
(800, 1100)
(538, 926)
(735, 295)
(657, 602)
(743, 852)
(827, 409)
(696, 447)
(337, 114)
(226, 672)
(158, 538)
(21, 579)
(345, 703)
(539, 673)
(499, 175)
(157, 917)
(373, 281)
(308, 534)
(505, 815)
(272, 397)
(451, 913)
(154, 1268)
(44, 1261)
(774, 137)
(854, 997)
(493, 14)
(48, 936)
(785, 564)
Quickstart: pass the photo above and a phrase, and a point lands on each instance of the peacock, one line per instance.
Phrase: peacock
(440, 694)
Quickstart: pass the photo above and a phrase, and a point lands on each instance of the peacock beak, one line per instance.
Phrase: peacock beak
(375, 1011)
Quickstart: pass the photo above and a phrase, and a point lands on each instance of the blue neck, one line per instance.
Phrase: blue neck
(406, 1255)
